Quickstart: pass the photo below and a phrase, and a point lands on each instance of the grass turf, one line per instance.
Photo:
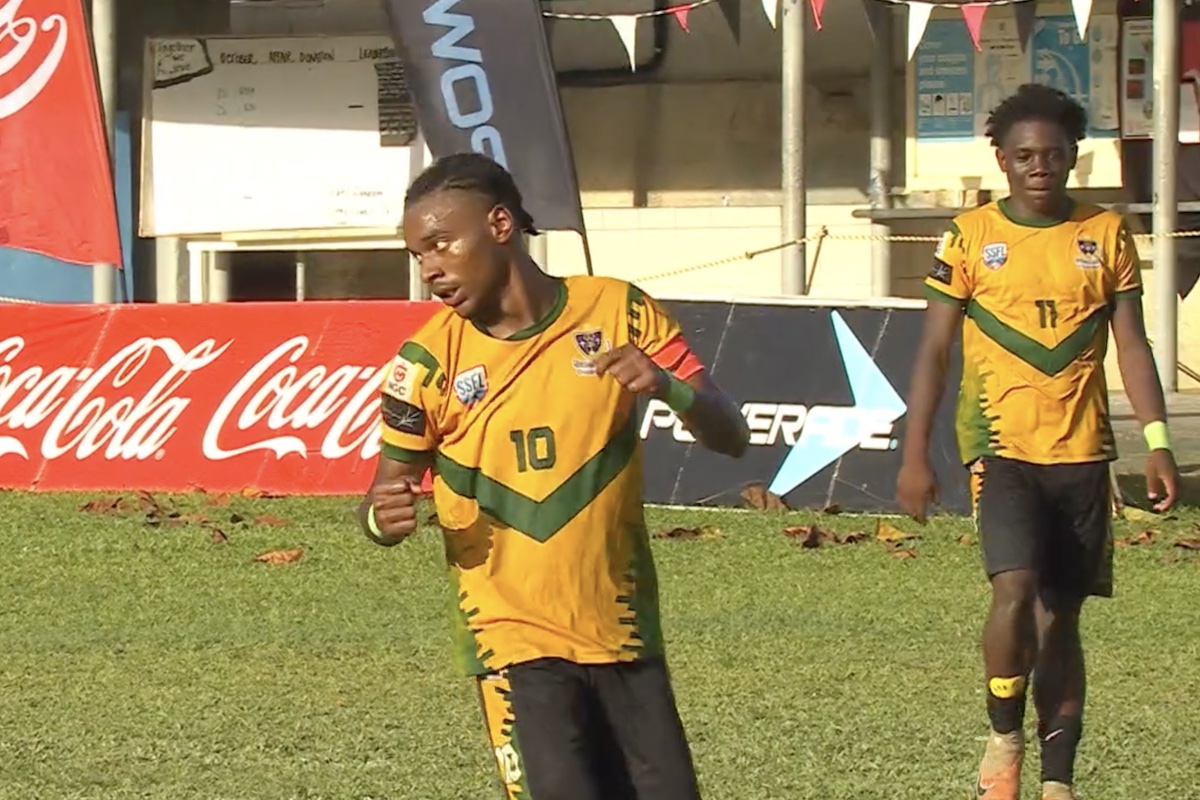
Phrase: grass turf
(154, 661)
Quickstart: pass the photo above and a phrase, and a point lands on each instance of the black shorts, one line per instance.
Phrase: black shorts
(1054, 519)
(564, 731)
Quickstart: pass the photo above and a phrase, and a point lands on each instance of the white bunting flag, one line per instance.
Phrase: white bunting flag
(918, 20)
(771, 9)
(626, 25)
(1083, 15)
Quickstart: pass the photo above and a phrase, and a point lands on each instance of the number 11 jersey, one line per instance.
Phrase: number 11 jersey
(538, 475)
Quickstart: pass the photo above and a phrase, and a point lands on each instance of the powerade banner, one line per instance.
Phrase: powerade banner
(823, 392)
(482, 80)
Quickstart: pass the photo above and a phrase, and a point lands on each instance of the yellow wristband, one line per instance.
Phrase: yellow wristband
(372, 525)
(1157, 437)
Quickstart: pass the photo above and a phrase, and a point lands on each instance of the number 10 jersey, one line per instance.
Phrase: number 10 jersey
(538, 475)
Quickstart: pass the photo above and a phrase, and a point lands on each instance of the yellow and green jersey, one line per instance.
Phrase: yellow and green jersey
(538, 475)
(1037, 300)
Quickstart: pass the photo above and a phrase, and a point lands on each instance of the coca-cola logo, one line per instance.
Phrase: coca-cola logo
(274, 406)
(277, 395)
(87, 410)
(18, 35)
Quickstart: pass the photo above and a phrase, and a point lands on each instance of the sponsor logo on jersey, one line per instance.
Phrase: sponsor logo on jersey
(816, 435)
(590, 343)
(470, 386)
(1090, 256)
(401, 379)
(994, 255)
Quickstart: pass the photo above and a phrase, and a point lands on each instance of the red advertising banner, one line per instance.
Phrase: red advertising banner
(279, 397)
(56, 184)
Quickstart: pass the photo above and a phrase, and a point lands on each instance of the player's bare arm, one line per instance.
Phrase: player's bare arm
(1145, 393)
(388, 513)
(706, 412)
(916, 486)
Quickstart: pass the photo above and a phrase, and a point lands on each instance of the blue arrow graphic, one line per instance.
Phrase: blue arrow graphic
(875, 401)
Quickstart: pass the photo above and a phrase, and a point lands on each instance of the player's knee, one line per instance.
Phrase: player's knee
(1014, 593)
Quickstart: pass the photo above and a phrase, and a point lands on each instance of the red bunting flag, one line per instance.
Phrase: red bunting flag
(817, 6)
(680, 15)
(973, 14)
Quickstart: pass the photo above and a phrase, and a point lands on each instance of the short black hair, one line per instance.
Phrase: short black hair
(473, 172)
(1033, 101)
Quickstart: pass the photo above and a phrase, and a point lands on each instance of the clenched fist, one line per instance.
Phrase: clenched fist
(634, 370)
(395, 506)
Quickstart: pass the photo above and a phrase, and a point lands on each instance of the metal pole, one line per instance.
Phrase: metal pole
(881, 153)
(1165, 148)
(792, 209)
(104, 38)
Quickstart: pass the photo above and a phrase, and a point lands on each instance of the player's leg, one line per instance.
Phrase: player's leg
(538, 718)
(1008, 516)
(1079, 564)
(639, 706)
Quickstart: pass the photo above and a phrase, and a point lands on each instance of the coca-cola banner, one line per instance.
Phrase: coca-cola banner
(282, 397)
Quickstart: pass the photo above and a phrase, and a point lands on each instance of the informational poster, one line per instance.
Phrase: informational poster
(957, 86)
(945, 64)
(1137, 81)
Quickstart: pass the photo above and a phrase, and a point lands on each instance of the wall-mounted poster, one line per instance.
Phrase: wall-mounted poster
(957, 86)
(953, 88)
(1137, 80)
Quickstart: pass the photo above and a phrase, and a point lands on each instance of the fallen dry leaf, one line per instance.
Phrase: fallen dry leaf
(886, 532)
(854, 537)
(903, 552)
(1145, 537)
(268, 519)
(280, 556)
(261, 494)
(106, 505)
(1188, 544)
(218, 536)
(966, 539)
(703, 532)
(757, 497)
(147, 503)
(217, 500)
(832, 508)
(199, 519)
(809, 536)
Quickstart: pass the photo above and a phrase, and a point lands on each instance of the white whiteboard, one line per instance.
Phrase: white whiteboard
(274, 134)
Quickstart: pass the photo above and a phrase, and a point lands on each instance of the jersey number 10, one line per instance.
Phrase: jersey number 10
(535, 448)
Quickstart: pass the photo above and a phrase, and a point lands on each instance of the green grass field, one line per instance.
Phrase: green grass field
(157, 659)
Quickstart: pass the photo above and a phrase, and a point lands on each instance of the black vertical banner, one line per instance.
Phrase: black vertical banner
(481, 77)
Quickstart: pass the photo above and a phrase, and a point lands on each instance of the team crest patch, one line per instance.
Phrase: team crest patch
(1089, 256)
(589, 343)
(994, 255)
(471, 385)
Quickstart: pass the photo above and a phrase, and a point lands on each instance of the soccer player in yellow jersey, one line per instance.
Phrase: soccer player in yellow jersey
(522, 395)
(1033, 281)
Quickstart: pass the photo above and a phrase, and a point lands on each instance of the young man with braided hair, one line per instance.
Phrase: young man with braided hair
(522, 395)
(1034, 281)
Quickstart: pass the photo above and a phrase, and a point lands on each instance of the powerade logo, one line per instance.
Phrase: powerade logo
(485, 138)
(817, 435)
